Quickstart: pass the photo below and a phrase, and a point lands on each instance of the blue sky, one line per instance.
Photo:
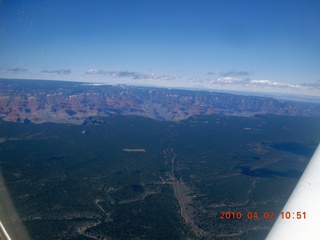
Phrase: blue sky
(267, 45)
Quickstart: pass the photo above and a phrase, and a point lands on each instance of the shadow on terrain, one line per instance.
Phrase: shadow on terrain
(267, 173)
(295, 148)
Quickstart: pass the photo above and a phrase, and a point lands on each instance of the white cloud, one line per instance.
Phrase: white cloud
(282, 85)
(227, 80)
(242, 83)
(15, 70)
(261, 81)
(129, 74)
(234, 73)
(95, 72)
(57, 71)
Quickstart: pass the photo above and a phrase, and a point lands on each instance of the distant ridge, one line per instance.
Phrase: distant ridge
(41, 101)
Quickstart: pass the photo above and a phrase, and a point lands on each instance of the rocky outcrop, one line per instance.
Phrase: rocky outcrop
(71, 102)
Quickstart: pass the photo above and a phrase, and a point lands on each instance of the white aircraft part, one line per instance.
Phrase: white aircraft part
(3, 233)
(305, 199)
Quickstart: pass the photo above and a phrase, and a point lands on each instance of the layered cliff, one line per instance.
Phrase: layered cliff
(72, 102)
